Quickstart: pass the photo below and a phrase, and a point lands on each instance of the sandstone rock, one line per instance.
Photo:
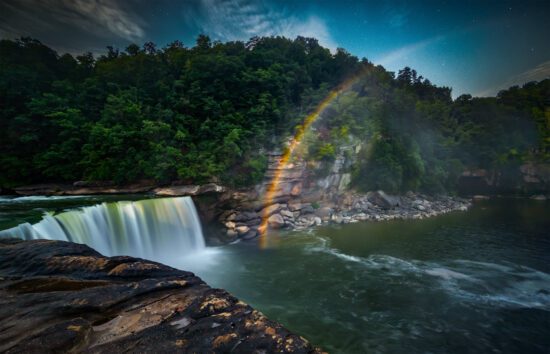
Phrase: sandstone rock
(175, 191)
(230, 225)
(317, 220)
(241, 230)
(64, 297)
(211, 188)
(276, 221)
(231, 233)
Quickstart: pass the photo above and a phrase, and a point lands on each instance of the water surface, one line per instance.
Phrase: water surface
(466, 282)
(472, 282)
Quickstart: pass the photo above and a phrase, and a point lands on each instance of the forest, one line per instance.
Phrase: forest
(208, 112)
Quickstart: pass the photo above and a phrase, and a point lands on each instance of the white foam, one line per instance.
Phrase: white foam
(481, 283)
(446, 274)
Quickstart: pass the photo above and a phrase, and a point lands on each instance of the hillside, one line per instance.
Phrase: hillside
(209, 113)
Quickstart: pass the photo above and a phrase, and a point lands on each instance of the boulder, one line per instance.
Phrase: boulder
(241, 230)
(287, 213)
(296, 206)
(323, 212)
(252, 222)
(308, 209)
(250, 235)
(245, 216)
(66, 297)
(270, 210)
(276, 221)
(338, 219)
(230, 225)
(383, 200)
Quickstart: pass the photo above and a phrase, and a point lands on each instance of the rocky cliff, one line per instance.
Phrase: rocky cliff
(311, 194)
(64, 297)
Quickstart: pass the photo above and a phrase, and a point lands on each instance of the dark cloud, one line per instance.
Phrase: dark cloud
(68, 24)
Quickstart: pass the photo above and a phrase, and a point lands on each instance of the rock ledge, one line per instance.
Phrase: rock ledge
(64, 297)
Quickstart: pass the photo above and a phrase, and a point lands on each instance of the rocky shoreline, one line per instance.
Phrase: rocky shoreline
(239, 213)
(59, 296)
(295, 214)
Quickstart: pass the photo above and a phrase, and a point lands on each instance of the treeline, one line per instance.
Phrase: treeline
(209, 112)
(415, 137)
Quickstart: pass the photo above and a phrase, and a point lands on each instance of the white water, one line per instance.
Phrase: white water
(157, 229)
(502, 285)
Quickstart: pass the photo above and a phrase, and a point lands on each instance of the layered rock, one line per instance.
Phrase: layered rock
(109, 187)
(63, 297)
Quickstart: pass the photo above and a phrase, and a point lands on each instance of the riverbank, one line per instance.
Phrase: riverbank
(297, 214)
(65, 297)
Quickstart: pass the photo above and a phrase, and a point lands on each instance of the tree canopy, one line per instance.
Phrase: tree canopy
(208, 112)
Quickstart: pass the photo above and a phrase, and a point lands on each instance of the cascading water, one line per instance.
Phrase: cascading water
(157, 229)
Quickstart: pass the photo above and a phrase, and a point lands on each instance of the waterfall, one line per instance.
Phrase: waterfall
(157, 229)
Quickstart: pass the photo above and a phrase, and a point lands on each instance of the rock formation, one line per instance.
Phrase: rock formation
(64, 297)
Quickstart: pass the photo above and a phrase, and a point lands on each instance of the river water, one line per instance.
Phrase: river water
(465, 282)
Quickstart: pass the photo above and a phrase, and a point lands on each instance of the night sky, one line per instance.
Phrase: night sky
(476, 47)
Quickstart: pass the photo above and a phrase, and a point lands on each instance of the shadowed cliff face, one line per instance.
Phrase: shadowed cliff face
(59, 296)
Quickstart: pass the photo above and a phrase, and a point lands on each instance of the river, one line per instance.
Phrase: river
(465, 282)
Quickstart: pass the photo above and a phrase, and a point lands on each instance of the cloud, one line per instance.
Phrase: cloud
(98, 17)
(538, 73)
(242, 19)
(400, 54)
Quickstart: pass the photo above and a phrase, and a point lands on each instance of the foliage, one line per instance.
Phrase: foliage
(206, 113)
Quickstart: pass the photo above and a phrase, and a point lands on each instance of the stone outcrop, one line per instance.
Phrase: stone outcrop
(109, 187)
(189, 190)
(348, 207)
(63, 297)
(303, 198)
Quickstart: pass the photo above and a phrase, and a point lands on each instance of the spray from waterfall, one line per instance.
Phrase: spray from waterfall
(157, 229)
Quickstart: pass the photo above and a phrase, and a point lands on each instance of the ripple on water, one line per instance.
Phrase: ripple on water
(479, 283)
